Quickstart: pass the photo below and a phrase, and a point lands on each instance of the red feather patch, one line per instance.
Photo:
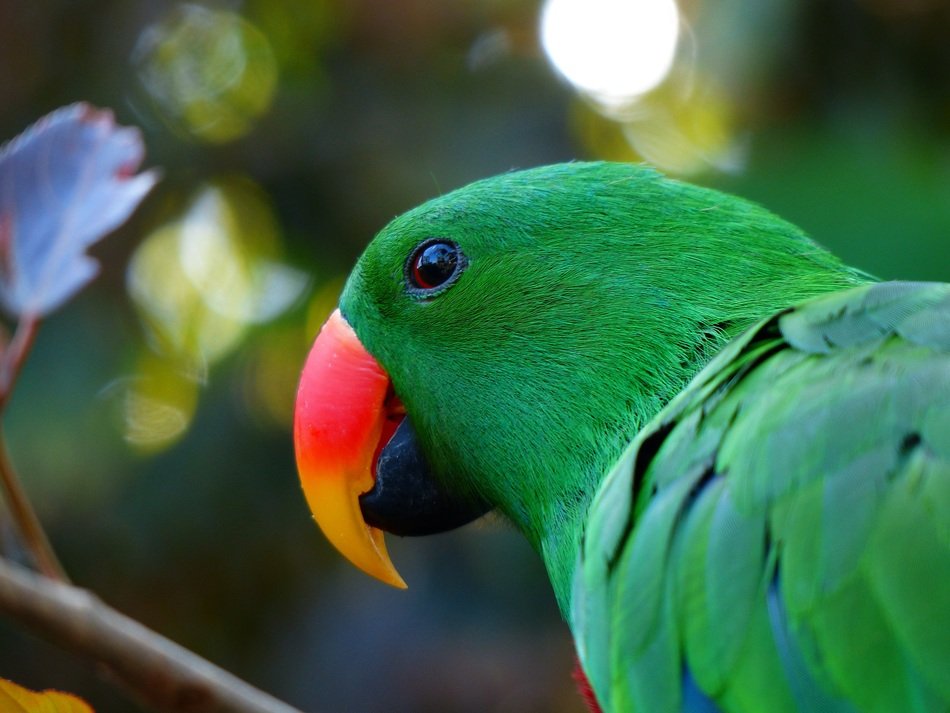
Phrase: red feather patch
(583, 685)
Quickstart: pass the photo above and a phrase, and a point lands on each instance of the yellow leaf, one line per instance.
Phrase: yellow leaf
(16, 699)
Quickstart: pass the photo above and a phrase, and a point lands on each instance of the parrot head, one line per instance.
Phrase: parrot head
(498, 346)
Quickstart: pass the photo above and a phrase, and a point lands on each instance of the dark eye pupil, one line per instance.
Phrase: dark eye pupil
(433, 264)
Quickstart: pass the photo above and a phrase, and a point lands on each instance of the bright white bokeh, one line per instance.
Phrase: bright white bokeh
(614, 50)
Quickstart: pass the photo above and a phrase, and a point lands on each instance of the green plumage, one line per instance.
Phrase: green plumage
(778, 537)
(785, 522)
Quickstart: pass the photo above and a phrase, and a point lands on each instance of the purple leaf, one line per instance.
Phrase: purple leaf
(65, 182)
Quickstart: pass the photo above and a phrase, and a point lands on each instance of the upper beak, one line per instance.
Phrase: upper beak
(360, 463)
(345, 411)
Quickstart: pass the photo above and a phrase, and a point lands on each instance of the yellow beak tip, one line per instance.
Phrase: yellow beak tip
(398, 582)
(337, 513)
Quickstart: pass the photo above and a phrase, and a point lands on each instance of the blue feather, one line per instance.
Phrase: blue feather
(809, 696)
(694, 700)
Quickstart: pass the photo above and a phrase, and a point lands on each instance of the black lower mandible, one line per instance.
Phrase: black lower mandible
(406, 499)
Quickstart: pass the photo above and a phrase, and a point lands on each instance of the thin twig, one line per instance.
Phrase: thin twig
(4, 341)
(159, 672)
(14, 355)
(27, 522)
(21, 509)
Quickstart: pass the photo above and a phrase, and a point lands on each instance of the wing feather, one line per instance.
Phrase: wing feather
(779, 537)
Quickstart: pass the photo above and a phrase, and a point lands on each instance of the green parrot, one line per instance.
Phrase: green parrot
(731, 451)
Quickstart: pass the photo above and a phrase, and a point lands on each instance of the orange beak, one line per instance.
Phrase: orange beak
(345, 412)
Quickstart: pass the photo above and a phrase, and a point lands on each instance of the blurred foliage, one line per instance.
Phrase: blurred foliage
(151, 423)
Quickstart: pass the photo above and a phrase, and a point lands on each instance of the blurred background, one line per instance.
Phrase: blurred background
(152, 422)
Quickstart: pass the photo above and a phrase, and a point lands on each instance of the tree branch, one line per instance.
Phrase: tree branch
(159, 672)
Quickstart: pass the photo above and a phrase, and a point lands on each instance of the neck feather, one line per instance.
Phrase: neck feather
(555, 521)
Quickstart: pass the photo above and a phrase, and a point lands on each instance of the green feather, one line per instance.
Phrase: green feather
(830, 450)
(909, 571)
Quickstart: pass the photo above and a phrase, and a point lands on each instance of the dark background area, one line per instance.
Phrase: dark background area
(152, 422)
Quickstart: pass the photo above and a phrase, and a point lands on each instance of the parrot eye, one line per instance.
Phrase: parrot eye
(433, 264)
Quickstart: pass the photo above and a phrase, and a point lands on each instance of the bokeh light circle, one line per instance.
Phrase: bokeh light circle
(613, 50)
(208, 72)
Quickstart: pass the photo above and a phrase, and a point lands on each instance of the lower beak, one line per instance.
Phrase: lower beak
(344, 412)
